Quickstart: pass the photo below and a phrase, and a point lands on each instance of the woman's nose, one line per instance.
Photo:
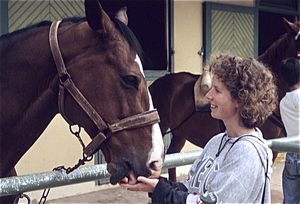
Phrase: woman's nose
(208, 95)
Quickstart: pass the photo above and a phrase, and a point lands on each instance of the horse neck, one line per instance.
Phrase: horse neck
(29, 99)
(278, 51)
(41, 84)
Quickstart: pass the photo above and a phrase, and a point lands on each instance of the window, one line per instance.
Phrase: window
(149, 21)
(271, 14)
(270, 30)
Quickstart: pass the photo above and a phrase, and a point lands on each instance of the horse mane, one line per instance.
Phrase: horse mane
(130, 37)
(38, 25)
(124, 30)
(23, 30)
(276, 50)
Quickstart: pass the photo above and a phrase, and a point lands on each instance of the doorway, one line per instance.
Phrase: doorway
(271, 27)
(148, 20)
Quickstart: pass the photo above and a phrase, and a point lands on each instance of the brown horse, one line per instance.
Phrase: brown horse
(95, 70)
(173, 96)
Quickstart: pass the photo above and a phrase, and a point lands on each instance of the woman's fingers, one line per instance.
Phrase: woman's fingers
(143, 184)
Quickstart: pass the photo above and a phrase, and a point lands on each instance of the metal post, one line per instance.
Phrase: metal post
(3, 17)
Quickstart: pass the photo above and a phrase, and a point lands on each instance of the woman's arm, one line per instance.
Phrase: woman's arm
(161, 189)
(167, 191)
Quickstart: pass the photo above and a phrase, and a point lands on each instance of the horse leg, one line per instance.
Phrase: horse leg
(9, 199)
(275, 153)
(176, 145)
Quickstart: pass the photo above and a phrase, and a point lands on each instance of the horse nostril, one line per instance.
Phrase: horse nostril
(152, 165)
(155, 165)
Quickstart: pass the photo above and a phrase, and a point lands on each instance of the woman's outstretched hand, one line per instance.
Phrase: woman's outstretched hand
(143, 184)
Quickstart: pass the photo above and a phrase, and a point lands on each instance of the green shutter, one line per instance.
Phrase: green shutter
(23, 13)
(230, 28)
(232, 32)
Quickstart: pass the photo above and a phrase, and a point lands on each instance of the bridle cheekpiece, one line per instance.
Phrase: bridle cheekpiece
(105, 130)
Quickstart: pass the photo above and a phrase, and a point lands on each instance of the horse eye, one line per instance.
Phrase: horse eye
(131, 81)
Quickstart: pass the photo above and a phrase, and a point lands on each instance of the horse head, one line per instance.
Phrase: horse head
(105, 66)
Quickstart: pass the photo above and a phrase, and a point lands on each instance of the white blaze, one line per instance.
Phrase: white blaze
(157, 152)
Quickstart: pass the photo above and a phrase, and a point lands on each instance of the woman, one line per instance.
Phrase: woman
(235, 166)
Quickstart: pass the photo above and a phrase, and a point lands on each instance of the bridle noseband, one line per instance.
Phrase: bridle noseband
(105, 130)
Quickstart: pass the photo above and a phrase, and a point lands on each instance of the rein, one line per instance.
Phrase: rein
(105, 130)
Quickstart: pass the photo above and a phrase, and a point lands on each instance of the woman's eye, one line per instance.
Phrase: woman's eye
(131, 81)
(217, 90)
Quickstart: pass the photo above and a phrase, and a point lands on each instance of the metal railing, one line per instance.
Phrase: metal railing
(285, 144)
(31, 182)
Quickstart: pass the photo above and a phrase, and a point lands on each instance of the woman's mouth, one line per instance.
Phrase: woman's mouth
(213, 106)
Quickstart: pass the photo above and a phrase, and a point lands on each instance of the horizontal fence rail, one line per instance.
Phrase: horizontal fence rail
(285, 144)
(31, 182)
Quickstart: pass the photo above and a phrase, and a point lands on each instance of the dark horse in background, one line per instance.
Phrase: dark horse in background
(173, 96)
(102, 61)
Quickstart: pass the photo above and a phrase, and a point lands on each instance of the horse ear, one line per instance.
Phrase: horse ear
(122, 15)
(95, 15)
(290, 26)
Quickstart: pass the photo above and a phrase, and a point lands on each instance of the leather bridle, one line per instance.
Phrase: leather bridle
(105, 130)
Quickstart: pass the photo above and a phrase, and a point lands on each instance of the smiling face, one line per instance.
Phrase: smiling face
(223, 106)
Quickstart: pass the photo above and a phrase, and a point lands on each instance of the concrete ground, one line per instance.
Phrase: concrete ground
(119, 195)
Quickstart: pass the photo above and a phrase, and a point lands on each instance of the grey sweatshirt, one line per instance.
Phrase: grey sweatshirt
(232, 170)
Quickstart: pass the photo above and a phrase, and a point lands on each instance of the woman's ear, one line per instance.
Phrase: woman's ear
(238, 104)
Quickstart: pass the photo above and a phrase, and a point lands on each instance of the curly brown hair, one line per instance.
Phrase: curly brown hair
(249, 82)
